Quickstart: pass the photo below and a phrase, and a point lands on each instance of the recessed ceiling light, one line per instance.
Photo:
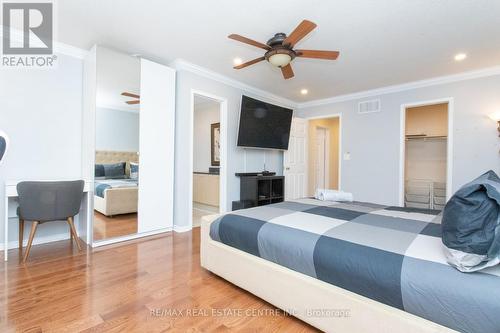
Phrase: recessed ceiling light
(237, 61)
(460, 56)
(304, 91)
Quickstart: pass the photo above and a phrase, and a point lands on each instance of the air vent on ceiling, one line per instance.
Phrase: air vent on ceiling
(369, 106)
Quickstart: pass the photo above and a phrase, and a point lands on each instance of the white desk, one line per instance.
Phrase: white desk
(11, 192)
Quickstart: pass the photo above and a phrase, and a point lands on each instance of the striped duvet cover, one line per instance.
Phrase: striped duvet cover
(392, 255)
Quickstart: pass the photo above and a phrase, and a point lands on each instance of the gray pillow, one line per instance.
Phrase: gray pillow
(134, 170)
(471, 224)
(110, 171)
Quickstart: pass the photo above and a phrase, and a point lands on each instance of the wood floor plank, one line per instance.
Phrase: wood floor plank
(108, 227)
(150, 285)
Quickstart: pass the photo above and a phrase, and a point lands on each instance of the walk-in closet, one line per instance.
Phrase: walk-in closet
(426, 134)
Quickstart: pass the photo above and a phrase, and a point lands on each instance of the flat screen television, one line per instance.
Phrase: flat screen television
(263, 125)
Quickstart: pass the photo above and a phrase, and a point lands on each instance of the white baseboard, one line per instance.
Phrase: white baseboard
(129, 237)
(183, 228)
(37, 240)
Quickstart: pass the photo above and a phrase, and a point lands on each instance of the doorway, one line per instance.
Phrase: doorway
(208, 184)
(426, 147)
(323, 154)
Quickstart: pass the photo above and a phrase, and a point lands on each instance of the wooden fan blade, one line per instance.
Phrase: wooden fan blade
(249, 41)
(317, 54)
(130, 95)
(287, 72)
(133, 102)
(300, 32)
(248, 63)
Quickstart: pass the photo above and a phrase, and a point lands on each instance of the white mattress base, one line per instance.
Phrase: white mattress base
(307, 298)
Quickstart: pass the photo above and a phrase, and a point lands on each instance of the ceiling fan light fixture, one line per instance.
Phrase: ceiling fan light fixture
(280, 59)
(280, 49)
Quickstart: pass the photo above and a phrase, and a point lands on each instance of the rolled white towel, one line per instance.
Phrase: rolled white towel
(318, 193)
(333, 195)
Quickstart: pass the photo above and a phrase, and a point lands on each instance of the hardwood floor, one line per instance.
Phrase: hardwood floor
(148, 285)
(109, 227)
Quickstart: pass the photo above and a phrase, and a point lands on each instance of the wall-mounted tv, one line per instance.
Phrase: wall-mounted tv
(263, 125)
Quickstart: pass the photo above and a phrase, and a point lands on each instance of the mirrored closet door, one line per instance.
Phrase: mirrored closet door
(131, 106)
(116, 169)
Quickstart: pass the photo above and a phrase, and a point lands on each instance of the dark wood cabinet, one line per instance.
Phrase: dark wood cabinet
(260, 191)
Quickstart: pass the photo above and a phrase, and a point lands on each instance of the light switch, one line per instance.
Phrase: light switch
(347, 156)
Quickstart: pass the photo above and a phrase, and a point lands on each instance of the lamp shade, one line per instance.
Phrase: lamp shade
(280, 59)
(4, 144)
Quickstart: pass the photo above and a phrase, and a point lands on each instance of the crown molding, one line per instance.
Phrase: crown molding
(181, 64)
(59, 48)
(485, 72)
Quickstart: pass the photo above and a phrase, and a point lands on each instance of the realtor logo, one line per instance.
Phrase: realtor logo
(28, 34)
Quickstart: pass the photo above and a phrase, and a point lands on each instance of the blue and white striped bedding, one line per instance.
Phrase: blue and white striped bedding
(389, 254)
(102, 185)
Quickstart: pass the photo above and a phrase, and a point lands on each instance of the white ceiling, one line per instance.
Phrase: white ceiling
(382, 42)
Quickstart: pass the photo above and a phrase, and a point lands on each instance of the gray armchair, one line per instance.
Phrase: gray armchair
(42, 202)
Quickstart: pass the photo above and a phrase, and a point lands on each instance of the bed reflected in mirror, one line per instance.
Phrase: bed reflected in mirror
(116, 174)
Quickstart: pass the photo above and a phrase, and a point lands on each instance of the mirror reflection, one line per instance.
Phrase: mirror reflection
(116, 145)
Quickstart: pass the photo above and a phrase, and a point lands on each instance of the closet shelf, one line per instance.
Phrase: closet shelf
(425, 137)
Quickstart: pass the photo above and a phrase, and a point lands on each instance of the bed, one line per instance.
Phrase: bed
(351, 267)
(116, 196)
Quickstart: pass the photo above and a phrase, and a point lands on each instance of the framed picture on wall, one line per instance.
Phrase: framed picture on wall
(215, 144)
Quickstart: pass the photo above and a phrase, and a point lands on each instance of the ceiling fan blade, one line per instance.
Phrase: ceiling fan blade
(130, 95)
(248, 63)
(300, 32)
(287, 72)
(317, 54)
(133, 102)
(249, 41)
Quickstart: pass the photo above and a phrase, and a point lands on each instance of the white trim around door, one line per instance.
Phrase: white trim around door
(223, 154)
(449, 145)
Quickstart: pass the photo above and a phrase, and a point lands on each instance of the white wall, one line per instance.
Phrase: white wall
(204, 115)
(117, 130)
(373, 139)
(238, 159)
(41, 111)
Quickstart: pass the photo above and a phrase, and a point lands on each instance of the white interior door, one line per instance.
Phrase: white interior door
(294, 161)
(156, 143)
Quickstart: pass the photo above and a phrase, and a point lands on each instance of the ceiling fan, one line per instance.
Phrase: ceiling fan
(127, 94)
(280, 49)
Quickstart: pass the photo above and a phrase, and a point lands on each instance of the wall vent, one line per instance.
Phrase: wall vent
(369, 106)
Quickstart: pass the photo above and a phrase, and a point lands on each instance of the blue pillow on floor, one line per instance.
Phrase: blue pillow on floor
(471, 224)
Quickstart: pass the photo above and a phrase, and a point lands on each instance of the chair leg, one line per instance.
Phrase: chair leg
(73, 232)
(34, 225)
(21, 234)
